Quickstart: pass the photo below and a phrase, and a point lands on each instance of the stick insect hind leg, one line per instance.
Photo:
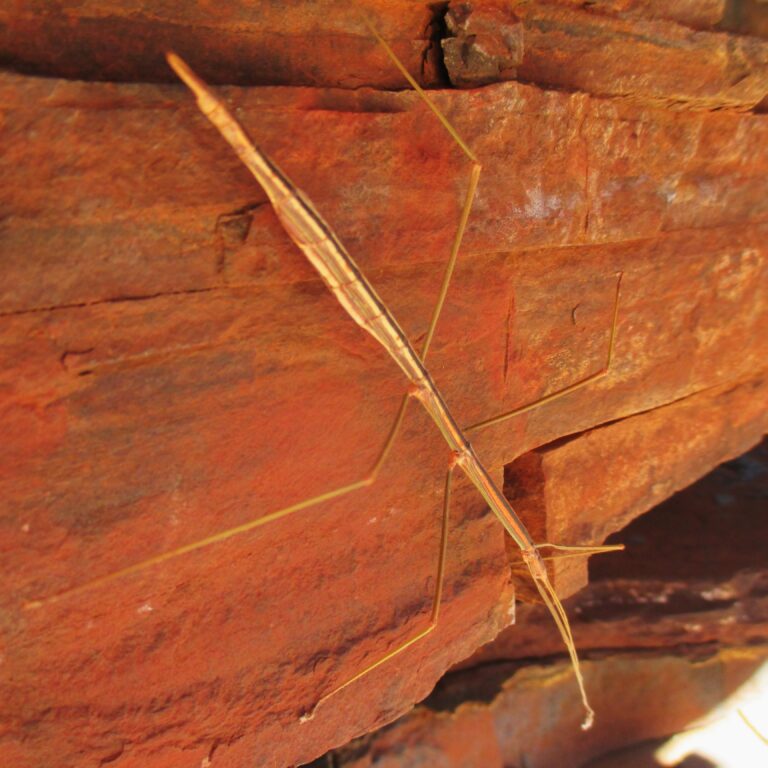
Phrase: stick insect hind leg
(434, 611)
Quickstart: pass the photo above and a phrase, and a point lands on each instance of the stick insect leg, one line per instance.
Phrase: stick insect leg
(434, 614)
(752, 727)
(552, 396)
(556, 609)
(202, 543)
(228, 533)
(563, 551)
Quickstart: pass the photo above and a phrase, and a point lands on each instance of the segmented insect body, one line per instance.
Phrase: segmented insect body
(345, 280)
(357, 296)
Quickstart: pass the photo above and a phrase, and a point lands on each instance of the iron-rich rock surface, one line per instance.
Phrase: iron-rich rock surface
(585, 487)
(675, 54)
(503, 716)
(171, 367)
(694, 571)
(664, 625)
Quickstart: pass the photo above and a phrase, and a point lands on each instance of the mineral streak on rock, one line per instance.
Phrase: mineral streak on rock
(171, 367)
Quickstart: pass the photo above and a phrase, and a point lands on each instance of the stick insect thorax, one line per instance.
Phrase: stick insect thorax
(345, 280)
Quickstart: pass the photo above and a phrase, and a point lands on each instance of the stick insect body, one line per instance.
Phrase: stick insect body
(345, 280)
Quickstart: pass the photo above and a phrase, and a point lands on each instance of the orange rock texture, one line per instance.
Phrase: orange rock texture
(693, 574)
(526, 716)
(671, 629)
(172, 368)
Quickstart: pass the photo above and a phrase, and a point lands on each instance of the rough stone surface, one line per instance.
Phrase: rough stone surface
(692, 583)
(502, 716)
(171, 367)
(323, 43)
(585, 487)
(672, 53)
(639, 57)
(694, 572)
(483, 47)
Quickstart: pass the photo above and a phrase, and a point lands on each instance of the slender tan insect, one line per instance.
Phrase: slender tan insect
(345, 280)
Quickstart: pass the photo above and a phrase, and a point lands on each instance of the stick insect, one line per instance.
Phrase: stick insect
(312, 234)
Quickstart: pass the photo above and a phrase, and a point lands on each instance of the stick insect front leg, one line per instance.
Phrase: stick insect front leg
(345, 280)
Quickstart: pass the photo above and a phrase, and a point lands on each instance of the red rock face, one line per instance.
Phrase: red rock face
(693, 573)
(523, 717)
(688, 437)
(172, 368)
(674, 629)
